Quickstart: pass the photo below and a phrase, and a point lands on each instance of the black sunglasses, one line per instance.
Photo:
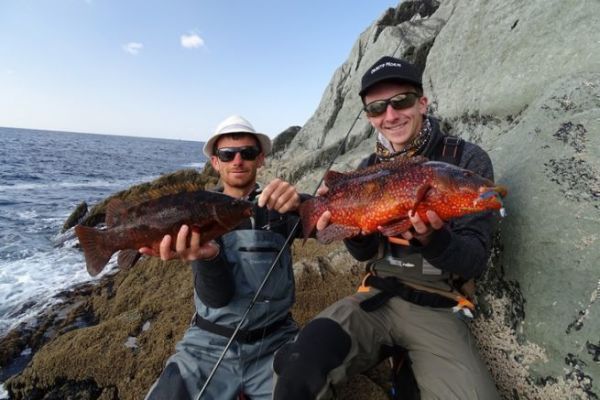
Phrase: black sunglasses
(248, 153)
(398, 102)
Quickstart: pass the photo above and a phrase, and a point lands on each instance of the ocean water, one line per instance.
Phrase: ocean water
(44, 175)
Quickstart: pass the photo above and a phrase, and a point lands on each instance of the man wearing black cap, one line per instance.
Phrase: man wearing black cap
(409, 299)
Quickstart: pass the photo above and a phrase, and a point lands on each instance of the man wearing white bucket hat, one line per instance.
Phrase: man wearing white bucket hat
(227, 273)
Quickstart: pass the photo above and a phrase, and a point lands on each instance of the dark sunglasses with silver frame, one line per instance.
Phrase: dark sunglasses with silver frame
(248, 153)
(398, 102)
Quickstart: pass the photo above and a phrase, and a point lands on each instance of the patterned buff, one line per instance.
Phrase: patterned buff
(385, 151)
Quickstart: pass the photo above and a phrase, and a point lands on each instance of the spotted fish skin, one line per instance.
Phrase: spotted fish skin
(144, 222)
(382, 195)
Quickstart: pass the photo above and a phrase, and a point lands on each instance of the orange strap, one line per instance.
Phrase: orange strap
(397, 240)
(463, 302)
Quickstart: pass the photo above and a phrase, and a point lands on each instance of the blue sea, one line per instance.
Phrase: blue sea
(44, 175)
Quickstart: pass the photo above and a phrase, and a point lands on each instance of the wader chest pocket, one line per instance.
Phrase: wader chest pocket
(256, 261)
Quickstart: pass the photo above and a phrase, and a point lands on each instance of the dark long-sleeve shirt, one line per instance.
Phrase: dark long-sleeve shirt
(463, 245)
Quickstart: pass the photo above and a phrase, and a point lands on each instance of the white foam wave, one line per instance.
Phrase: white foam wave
(29, 214)
(30, 284)
(3, 393)
(73, 184)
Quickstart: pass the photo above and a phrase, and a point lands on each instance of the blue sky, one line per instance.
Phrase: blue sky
(171, 69)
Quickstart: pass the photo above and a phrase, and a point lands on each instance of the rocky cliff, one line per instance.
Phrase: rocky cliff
(521, 79)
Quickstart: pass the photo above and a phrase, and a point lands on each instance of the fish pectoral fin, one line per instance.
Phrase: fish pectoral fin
(421, 195)
(336, 232)
(396, 227)
(127, 258)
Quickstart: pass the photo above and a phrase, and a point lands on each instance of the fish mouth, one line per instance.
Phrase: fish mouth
(485, 192)
(501, 190)
(496, 192)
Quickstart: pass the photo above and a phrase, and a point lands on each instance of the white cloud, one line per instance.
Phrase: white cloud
(191, 41)
(133, 48)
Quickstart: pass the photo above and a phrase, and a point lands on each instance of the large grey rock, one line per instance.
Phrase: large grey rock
(522, 79)
(496, 57)
(550, 158)
(525, 84)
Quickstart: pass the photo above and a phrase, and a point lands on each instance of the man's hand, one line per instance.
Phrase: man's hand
(324, 219)
(421, 230)
(187, 247)
(280, 196)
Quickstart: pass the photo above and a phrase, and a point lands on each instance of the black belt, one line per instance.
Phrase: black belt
(391, 287)
(243, 336)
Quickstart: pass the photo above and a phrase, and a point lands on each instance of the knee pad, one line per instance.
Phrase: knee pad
(303, 365)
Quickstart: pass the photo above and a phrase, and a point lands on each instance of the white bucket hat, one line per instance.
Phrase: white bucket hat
(236, 124)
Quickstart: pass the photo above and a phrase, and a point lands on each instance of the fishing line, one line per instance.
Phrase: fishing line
(272, 267)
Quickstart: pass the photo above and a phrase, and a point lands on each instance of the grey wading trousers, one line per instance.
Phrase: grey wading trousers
(345, 340)
(246, 368)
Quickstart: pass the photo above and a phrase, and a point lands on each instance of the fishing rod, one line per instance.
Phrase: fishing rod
(272, 267)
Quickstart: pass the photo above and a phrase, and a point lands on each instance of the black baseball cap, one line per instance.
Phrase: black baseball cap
(390, 69)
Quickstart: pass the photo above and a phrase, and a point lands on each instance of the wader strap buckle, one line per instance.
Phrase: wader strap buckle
(243, 336)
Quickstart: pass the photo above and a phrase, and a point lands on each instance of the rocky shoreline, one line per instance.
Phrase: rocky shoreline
(110, 339)
(521, 80)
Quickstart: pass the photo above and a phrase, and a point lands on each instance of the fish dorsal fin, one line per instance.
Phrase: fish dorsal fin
(334, 178)
(410, 160)
(116, 212)
(419, 159)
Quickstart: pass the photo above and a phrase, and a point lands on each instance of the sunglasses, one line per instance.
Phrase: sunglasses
(248, 153)
(398, 102)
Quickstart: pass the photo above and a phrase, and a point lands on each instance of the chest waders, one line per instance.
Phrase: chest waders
(261, 286)
(251, 254)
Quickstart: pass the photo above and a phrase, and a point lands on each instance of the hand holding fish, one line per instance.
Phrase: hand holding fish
(422, 230)
(187, 247)
(409, 198)
(280, 196)
(150, 221)
(324, 219)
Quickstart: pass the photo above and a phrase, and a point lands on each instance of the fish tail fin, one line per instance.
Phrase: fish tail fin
(310, 211)
(96, 253)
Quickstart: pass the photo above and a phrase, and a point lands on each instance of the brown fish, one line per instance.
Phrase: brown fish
(143, 223)
(382, 195)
